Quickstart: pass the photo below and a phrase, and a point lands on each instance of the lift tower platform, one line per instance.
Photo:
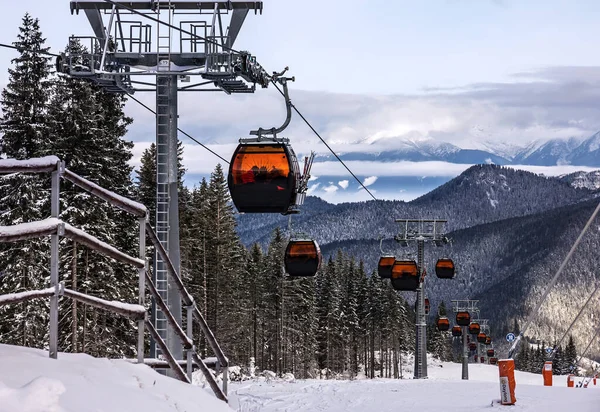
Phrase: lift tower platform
(157, 46)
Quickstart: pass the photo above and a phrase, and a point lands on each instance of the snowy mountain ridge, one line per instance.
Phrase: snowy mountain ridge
(572, 151)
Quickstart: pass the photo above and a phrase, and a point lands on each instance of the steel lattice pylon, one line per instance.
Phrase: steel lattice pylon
(123, 50)
(421, 231)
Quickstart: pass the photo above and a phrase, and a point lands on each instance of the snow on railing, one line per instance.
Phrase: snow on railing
(30, 230)
(95, 243)
(12, 298)
(128, 205)
(126, 309)
(51, 225)
(35, 165)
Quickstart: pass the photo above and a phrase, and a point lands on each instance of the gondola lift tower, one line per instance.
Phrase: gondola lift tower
(156, 46)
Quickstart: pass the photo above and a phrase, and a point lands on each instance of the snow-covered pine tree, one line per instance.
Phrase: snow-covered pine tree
(272, 300)
(438, 343)
(86, 130)
(24, 198)
(223, 251)
(146, 182)
(146, 179)
(571, 355)
(193, 261)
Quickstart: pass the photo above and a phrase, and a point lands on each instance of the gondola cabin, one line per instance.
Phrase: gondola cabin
(463, 318)
(474, 328)
(302, 258)
(456, 331)
(481, 337)
(405, 275)
(444, 269)
(472, 346)
(493, 361)
(488, 340)
(491, 353)
(263, 177)
(384, 268)
(443, 324)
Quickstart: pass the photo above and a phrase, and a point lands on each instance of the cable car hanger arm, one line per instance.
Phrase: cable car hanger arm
(278, 78)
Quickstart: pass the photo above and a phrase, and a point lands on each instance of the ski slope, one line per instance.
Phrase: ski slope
(31, 382)
(444, 391)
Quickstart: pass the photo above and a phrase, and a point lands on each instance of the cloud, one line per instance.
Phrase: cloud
(369, 181)
(343, 184)
(330, 189)
(553, 102)
(312, 189)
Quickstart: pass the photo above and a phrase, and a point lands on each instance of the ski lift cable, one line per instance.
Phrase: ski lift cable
(588, 346)
(552, 283)
(235, 51)
(325, 143)
(196, 36)
(22, 49)
(553, 354)
(181, 131)
(133, 98)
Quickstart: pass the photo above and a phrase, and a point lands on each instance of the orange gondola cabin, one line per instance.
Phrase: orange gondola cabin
(264, 178)
(302, 257)
(384, 268)
(456, 331)
(474, 328)
(488, 340)
(405, 275)
(463, 318)
(481, 337)
(491, 353)
(493, 361)
(472, 346)
(443, 324)
(444, 269)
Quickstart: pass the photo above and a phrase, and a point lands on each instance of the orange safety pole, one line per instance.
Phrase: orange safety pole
(508, 384)
(570, 381)
(547, 373)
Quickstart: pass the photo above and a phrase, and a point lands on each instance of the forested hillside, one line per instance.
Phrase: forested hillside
(481, 194)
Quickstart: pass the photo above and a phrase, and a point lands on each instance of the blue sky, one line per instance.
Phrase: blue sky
(371, 73)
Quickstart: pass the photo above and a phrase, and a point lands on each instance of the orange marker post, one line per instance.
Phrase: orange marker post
(571, 381)
(547, 373)
(508, 384)
(595, 376)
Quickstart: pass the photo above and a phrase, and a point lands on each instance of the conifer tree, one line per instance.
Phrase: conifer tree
(571, 354)
(23, 125)
(86, 130)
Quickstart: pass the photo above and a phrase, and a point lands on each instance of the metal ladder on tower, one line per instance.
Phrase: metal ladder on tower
(163, 120)
(421, 355)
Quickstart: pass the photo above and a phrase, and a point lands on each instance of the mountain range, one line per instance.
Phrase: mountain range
(572, 151)
(510, 230)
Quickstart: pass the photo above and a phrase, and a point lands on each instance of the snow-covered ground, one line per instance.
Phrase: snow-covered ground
(443, 391)
(31, 382)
